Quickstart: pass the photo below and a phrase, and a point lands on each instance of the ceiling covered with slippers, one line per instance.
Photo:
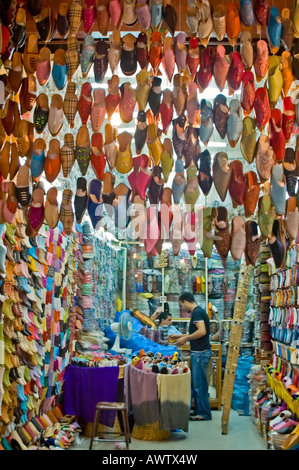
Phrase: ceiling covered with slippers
(134, 102)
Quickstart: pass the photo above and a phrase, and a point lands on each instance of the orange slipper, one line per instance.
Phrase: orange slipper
(52, 161)
(233, 23)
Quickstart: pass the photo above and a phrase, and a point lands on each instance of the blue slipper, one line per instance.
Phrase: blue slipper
(178, 190)
(37, 164)
(95, 203)
(246, 12)
(234, 126)
(59, 69)
(206, 125)
(274, 29)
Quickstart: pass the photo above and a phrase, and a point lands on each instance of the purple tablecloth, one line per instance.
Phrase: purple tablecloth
(84, 387)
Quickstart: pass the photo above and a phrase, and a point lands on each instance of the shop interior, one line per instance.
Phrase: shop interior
(148, 149)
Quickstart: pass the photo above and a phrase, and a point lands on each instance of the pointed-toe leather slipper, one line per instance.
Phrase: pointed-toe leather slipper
(205, 179)
(66, 213)
(52, 208)
(253, 241)
(97, 160)
(222, 243)
(249, 139)
(81, 199)
(290, 169)
(237, 183)
(238, 238)
(83, 150)
(278, 188)
(252, 193)
(266, 215)
(53, 161)
(23, 186)
(221, 174)
(36, 209)
(179, 181)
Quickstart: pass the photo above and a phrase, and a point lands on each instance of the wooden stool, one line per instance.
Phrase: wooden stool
(111, 406)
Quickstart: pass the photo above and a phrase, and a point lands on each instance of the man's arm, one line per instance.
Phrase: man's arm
(201, 331)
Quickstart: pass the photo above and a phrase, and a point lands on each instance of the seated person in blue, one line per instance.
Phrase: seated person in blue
(165, 319)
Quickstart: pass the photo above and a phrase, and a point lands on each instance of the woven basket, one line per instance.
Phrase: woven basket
(102, 429)
(150, 432)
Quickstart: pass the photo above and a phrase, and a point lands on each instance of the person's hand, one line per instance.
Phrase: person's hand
(181, 341)
(174, 336)
(156, 313)
(216, 336)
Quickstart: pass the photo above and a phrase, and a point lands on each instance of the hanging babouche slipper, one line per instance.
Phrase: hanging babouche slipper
(83, 150)
(205, 22)
(233, 23)
(274, 29)
(219, 21)
(66, 213)
(168, 57)
(193, 56)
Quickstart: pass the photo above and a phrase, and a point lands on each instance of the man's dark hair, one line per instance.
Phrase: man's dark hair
(186, 297)
(164, 316)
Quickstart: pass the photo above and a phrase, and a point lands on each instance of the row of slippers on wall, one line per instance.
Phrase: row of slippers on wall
(202, 19)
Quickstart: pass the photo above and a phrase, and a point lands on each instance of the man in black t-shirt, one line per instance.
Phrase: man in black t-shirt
(201, 353)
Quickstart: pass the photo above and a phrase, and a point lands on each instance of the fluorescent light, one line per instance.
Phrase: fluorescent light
(217, 144)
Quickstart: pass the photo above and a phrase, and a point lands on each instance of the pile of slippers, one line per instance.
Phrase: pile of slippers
(159, 364)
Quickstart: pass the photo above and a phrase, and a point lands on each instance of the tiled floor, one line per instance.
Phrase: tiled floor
(242, 434)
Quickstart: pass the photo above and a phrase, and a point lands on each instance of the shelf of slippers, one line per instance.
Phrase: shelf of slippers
(21, 313)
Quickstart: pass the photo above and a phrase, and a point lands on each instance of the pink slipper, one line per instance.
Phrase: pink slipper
(89, 15)
(247, 92)
(143, 177)
(190, 237)
(115, 12)
(221, 67)
(127, 103)
(168, 58)
(285, 424)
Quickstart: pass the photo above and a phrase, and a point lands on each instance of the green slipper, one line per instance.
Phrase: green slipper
(266, 215)
(248, 139)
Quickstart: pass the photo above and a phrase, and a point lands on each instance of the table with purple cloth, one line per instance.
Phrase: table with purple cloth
(84, 387)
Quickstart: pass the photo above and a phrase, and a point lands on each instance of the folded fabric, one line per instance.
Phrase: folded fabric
(143, 394)
(85, 387)
(174, 392)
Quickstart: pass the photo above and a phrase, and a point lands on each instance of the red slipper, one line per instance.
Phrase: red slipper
(235, 72)
(166, 110)
(288, 117)
(277, 137)
(204, 74)
(261, 108)
(252, 192)
(193, 56)
(144, 176)
(98, 161)
(113, 98)
(85, 103)
(247, 92)
(237, 183)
